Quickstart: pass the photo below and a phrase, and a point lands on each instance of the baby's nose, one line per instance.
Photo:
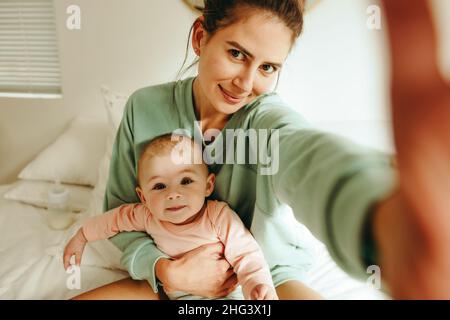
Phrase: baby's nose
(174, 195)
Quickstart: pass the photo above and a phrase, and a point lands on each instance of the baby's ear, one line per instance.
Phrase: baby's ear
(140, 194)
(210, 184)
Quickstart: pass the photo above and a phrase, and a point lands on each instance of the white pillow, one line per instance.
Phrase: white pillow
(104, 253)
(35, 193)
(74, 157)
(115, 105)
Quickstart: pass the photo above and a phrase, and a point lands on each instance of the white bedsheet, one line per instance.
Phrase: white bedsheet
(31, 265)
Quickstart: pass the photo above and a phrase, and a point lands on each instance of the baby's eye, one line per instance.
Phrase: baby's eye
(159, 186)
(267, 68)
(236, 54)
(186, 181)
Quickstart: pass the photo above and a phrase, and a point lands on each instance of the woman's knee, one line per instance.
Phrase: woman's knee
(125, 289)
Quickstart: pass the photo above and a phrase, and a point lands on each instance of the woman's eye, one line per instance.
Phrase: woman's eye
(159, 186)
(237, 54)
(267, 68)
(186, 181)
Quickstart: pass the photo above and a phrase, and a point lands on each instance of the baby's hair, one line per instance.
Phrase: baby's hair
(159, 146)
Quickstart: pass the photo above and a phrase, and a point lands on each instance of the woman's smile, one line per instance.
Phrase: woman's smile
(229, 97)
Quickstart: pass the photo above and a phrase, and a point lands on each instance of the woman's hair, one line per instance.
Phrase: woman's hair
(220, 14)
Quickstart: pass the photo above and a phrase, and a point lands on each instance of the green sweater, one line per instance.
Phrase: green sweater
(329, 182)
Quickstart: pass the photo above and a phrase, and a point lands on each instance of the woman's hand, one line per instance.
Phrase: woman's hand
(202, 272)
(412, 266)
(412, 228)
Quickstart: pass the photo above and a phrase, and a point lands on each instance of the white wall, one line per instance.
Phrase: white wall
(337, 76)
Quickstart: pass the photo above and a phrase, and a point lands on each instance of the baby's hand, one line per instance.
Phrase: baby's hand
(263, 292)
(75, 247)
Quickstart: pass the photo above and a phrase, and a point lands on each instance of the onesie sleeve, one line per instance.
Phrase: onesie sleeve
(127, 217)
(241, 250)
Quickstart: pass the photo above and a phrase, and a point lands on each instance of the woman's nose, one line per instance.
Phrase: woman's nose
(244, 81)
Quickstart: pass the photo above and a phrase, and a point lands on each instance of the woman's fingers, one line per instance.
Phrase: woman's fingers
(211, 249)
(227, 287)
(223, 293)
(231, 282)
(229, 273)
(421, 114)
(224, 266)
(202, 271)
(214, 249)
(413, 43)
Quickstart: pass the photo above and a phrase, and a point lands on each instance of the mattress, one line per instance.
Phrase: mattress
(30, 261)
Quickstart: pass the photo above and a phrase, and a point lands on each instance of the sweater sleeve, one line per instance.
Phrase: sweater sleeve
(140, 253)
(127, 217)
(241, 250)
(329, 182)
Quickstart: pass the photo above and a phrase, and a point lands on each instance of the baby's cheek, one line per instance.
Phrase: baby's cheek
(155, 204)
(198, 202)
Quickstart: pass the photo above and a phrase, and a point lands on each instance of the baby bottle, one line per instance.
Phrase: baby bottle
(59, 215)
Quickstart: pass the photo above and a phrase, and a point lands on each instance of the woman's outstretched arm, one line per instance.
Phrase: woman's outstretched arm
(330, 183)
(338, 189)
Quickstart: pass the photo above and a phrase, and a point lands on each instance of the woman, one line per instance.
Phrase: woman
(338, 190)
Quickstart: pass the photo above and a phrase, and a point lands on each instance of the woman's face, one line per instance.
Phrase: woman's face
(240, 62)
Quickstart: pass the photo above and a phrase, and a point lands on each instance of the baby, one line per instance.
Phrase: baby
(173, 210)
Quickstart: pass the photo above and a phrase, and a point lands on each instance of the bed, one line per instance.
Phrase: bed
(31, 252)
(31, 268)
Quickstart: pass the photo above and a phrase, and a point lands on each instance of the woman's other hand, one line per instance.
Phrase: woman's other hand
(413, 227)
(202, 272)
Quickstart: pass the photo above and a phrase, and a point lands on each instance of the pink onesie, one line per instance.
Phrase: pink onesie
(218, 223)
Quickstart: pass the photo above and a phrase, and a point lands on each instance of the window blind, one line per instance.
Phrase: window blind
(29, 61)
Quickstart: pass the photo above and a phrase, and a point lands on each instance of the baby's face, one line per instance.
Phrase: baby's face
(174, 192)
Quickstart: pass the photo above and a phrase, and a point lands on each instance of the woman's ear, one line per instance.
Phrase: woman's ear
(140, 194)
(210, 184)
(198, 35)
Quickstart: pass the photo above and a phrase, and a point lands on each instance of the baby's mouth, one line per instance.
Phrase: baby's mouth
(177, 208)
